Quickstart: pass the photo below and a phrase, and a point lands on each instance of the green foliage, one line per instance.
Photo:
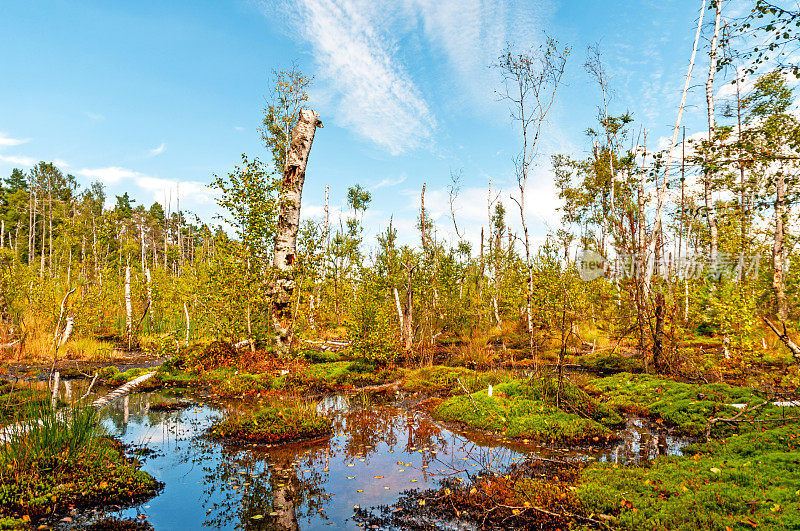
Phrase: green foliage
(518, 416)
(372, 327)
(249, 196)
(686, 406)
(273, 424)
(747, 481)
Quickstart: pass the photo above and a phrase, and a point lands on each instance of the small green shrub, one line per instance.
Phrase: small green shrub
(273, 424)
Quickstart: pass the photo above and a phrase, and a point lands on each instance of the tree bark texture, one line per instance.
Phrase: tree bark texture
(284, 257)
(707, 175)
(779, 249)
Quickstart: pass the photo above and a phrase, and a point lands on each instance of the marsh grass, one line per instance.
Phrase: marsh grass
(56, 457)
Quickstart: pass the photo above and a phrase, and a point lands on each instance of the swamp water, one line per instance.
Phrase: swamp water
(378, 450)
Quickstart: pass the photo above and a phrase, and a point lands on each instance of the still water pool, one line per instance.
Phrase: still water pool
(379, 449)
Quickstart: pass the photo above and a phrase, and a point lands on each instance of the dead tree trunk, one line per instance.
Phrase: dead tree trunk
(408, 315)
(784, 337)
(399, 313)
(707, 174)
(658, 337)
(779, 248)
(128, 306)
(294, 174)
(149, 279)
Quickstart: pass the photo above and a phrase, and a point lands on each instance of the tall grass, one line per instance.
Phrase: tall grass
(44, 439)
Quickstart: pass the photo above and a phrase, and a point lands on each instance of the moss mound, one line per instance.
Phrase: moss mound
(273, 424)
(749, 481)
(686, 406)
(442, 380)
(98, 473)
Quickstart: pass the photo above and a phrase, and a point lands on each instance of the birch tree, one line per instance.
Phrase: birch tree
(284, 256)
(530, 81)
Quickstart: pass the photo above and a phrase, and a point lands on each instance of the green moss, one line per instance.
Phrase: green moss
(686, 406)
(441, 380)
(64, 459)
(13, 523)
(611, 362)
(274, 424)
(749, 481)
(315, 356)
(570, 398)
(518, 416)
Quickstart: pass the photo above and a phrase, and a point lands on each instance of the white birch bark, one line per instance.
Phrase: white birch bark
(128, 306)
(284, 257)
(711, 219)
(661, 189)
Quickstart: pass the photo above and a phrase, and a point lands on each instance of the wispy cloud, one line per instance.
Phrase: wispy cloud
(360, 48)
(159, 150)
(7, 141)
(388, 182)
(375, 95)
(94, 116)
(18, 160)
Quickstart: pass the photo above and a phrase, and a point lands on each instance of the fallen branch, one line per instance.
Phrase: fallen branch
(474, 404)
(91, 385)
(735, 419)
(784, 337)
(122, 390)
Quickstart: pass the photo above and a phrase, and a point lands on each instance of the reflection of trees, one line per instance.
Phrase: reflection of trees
(259, 482)
(365, 428)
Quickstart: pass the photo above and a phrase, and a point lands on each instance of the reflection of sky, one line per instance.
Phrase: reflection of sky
(379, 450)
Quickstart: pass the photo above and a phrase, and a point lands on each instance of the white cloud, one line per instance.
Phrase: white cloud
(94, 116)
(238, 127)
(159, 150)
(375, 95)
(194, 191)
(109, 174)
(7, 141)
(18, 160)
(388, 182)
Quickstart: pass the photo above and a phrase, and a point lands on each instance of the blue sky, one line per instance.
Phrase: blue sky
(151, 97)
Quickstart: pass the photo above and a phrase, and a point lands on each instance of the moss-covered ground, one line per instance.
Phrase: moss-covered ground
(64, 460)
(273, 424)
(747, 481)
(228, 372)
(533, 409)
(441, 380)
(686, 406)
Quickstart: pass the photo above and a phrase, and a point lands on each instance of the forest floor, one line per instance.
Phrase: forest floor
(741, 472)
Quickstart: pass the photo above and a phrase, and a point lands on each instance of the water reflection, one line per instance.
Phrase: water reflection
(377, 451)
